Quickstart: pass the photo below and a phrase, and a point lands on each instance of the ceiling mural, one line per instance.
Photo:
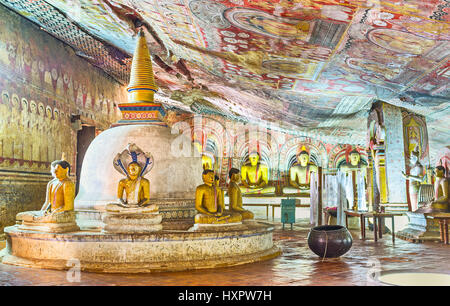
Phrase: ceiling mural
(310, 66)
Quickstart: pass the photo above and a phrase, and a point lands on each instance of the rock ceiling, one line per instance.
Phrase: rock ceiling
(313, 67)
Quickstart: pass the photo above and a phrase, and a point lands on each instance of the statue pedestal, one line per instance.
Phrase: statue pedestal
(58, 223)
(217, 227)
(419, 228)
(132, 220)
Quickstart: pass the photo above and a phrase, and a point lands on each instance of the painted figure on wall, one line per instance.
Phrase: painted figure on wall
(255, 176)
(300, 174)
(415, 178)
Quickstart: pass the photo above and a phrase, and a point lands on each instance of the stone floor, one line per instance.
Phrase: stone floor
(296, 266)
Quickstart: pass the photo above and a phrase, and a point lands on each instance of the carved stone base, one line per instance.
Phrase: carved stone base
(54, 223)
(419, 229)
(217, 227)
(132, 220)
(50, 227)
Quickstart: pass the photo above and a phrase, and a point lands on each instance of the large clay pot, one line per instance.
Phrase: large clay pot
(329, 240)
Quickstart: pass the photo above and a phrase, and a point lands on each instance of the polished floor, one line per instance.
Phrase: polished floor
(296, 266)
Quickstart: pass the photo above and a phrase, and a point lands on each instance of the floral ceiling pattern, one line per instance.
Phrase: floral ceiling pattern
(311, 67)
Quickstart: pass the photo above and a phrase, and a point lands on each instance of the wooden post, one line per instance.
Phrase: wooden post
(319, 202)
(355, 191)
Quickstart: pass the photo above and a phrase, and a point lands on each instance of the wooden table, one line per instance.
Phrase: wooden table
(359, 214)
(377, 223)
(443, 225)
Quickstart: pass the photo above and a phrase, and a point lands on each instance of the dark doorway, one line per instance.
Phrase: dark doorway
(84, 139)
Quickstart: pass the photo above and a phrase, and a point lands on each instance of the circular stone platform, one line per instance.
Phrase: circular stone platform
(140, 253)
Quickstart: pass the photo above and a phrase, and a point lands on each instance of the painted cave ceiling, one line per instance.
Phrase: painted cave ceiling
(313, 67)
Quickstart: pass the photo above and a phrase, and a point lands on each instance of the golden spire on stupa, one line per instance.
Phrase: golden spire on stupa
(142, 84)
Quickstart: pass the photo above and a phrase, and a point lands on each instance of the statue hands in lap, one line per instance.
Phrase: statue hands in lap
(300, 174)
(60, 194)
(235, 195)
(209, 202)
(441, 202)
(255, 176)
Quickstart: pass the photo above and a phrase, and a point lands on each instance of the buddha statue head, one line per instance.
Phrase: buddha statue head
(303, 158)
(60, 169)
(134, 170)
(234, 175)
(208, 177)
(354, 157)
(133, 162)
(254, 158)
(439, 172)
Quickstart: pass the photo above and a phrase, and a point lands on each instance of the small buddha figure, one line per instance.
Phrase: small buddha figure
(441, 201)
(58, 206)
(415, 178)
(255, 176)
(300, 174)
(210, 205)
(235, 195)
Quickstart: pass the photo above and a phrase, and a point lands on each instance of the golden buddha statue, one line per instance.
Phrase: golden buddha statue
(441, 201)
(133, 213)
(235, 195)
(209, 202)
(255, 176)
(354, 164)
(134, 190)
(58, 207)
(300, 174)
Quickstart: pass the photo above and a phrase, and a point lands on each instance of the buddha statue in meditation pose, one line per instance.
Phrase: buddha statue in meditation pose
(210, 205)
(441, 201)
(300, 174)
(134, 190)
(57, 214)
(255, 177)
(235, 195)
(133, 213)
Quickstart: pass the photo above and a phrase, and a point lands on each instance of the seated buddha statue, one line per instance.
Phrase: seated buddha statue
(235, 195)
(300, 174)
(354, 164)
(58, 207)
(133, 191)
(255, 177)
(441, 201)
(210, 205)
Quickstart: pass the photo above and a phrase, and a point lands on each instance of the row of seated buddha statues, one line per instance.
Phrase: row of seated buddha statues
(210, 204)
